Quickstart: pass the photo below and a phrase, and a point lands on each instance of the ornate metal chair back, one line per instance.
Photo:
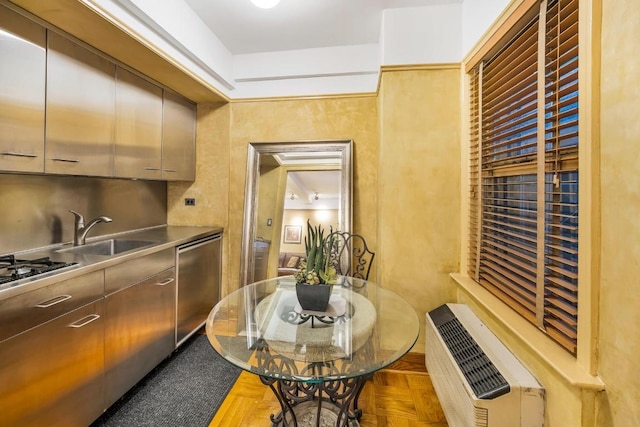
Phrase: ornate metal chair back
(350, 254)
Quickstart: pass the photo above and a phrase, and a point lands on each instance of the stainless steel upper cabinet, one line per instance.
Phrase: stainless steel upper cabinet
(22, 93)
(138, 144)
(80, 110)
(179, 139)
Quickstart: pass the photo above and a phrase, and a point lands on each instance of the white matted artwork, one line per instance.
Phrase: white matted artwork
(292, 234)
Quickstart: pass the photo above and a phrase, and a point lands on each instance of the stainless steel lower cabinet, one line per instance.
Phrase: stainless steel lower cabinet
(139, 331)
(260, 259)
(52, 375)
(199, 266)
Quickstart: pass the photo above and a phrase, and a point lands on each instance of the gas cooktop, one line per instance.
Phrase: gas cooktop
(13, 269)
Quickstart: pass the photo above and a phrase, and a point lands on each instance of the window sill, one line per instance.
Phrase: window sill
(529, 337)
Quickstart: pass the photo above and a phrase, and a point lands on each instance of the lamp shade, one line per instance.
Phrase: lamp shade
(265, 4)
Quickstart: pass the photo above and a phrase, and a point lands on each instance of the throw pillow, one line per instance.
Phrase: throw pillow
(293, 262)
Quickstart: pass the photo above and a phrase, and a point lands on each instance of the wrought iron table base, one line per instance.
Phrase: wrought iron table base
(328, 403)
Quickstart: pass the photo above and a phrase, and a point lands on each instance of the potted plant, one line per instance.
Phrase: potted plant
(317, 275)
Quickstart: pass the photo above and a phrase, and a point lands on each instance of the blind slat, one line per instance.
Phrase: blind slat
(504, 287)
(527, 269)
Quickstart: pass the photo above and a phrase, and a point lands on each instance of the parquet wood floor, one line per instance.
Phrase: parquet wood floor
(399, 396)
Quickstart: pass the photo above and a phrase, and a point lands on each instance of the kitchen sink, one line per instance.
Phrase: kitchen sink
(108, 247)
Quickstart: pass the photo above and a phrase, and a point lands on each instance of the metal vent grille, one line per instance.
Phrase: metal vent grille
(481, 374)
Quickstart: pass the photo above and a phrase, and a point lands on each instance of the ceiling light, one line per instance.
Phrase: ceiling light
(265, 4)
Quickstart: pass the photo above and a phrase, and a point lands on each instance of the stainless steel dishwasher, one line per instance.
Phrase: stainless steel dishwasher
(198, 272)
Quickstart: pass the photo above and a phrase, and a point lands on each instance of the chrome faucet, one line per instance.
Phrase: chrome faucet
(80, 230)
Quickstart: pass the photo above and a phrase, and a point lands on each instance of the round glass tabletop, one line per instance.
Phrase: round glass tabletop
(262, 329)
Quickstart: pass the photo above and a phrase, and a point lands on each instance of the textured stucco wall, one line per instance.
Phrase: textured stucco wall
(325, 218)
(313, 119)
(268, 202)
(419, 185)
(406, 185)
(620, 211)
(211, 187)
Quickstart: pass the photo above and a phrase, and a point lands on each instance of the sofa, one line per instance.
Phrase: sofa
(288, 262)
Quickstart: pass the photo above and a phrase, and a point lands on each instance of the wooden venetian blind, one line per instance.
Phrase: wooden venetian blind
(474, 171)
(524, 171)
(561, 176)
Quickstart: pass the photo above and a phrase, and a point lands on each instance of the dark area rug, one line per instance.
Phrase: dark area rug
(184, 390)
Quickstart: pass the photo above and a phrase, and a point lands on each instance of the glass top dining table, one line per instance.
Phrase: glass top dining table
(316, 363)
(261, 328)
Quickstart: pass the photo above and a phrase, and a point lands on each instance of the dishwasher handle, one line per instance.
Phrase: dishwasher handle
(199, 242)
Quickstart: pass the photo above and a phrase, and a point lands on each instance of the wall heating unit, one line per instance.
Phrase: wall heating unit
(479, 382)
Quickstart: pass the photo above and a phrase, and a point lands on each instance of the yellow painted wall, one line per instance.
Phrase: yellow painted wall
(211, 187)
(403, 205)
(325, 218)
(268, 202)
(620, 209)
(305, 119)
(419, 185)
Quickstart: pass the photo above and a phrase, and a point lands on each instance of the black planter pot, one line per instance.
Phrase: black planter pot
(313, 297)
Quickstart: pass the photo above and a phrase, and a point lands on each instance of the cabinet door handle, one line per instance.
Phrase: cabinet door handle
(169, 170)
(53, 301)
(58, 159)
(165, 282)
(84, 321)
(15, 154)
(151, 169)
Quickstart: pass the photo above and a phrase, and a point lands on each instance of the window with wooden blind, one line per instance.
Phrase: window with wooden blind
(524, 176)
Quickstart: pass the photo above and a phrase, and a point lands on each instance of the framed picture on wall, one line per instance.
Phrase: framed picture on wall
(292, 234)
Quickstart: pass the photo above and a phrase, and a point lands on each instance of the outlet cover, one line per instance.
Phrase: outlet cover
(189, 202)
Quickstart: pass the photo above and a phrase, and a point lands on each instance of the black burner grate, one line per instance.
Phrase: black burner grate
(12, 269)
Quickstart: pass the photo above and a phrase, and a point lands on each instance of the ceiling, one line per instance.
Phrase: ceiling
(298, 24)
(306, 185)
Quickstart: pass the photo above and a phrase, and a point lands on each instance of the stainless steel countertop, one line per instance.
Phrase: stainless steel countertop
(165, 237)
